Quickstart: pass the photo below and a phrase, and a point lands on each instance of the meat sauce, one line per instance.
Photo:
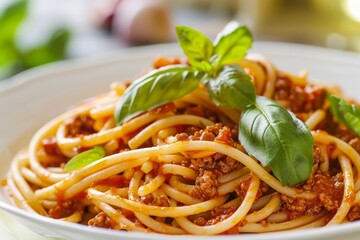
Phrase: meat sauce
(305, 98)
(65, 208)
(328, 191)
(328, 187)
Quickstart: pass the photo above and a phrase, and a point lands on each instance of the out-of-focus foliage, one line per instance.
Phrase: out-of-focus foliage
(13, 59)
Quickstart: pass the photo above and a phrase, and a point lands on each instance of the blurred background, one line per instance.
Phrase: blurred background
(37, 32)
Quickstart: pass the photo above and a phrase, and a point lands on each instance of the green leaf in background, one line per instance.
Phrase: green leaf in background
(348, 114)
(12, 58)
(10, 20)
(196, 46)
(9, 60)
(8, 53)
(231, 88)
(54, 49)
(231, 44)
(85, 158)
(277, 138)
(156, 88)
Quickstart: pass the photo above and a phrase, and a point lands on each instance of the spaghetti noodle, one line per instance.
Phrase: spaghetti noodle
(180, 169)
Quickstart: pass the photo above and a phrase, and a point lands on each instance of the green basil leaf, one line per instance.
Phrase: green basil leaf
(85, 158)
(346, 113)
(54, 49)
(231, 44)
(9, 54)
(277, 138)
(196, 46)
(10, 20)
(232, 88)
(156, 88)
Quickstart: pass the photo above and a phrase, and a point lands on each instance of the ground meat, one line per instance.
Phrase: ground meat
(207, 136)
(315, 97)
(79, 126)
(202, 163)
(354, 213)
(297, 207)
(224, 136)
(217, 132)
(201, 221)
(65, 209)
(218, 163)
(228, 164)
(327, 189)
(155, 200)
(302, 98)
(214, 129)
(55, 157)
(181, 137)
(102, 220)
(205, 186)
(50, 146)
(217, 214)
(282, 89)
(191, 130)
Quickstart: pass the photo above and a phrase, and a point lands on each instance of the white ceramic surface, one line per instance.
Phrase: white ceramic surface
(34, 97)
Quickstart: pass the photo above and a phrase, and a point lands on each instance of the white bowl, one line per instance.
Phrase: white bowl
(32, 98)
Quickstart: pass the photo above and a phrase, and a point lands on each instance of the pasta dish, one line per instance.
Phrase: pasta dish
(194, 162)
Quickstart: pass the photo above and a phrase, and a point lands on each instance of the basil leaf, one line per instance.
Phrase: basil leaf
(11, 19)
(156, 88)
(85, 158)
(232, 88)
(348, 114)
(196, 46)
(54, 49)
(334, 107)
(10, 55)
(231, 44)
(277, 138)
(10, 60)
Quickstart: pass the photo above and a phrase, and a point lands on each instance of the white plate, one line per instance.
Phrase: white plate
(34, 97)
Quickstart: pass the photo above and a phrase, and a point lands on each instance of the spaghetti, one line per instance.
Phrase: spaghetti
(180, 169)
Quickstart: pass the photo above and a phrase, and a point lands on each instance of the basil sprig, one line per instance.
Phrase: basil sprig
(267, 130)
(85, 158)
(345, 113)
